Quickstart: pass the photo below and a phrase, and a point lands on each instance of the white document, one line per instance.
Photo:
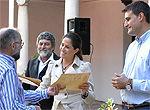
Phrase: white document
(28, 80)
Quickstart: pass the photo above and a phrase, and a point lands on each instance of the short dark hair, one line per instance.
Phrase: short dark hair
(8, 36)
(137, 7)
(76, 42)
(46, 35)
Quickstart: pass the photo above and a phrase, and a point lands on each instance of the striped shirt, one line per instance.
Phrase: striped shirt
(12, 94)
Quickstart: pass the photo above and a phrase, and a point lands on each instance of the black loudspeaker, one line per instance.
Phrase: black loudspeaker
(81, 26)
(126, 2)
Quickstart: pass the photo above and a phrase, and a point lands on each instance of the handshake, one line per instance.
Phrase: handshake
(51, 92)
(54, 90)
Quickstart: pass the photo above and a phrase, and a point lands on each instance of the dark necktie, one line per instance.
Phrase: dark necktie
(42, 73)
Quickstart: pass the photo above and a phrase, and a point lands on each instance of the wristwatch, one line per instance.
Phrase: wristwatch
(128, 85)
(85, 95)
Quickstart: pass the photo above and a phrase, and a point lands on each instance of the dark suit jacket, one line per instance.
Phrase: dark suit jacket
(32, 71)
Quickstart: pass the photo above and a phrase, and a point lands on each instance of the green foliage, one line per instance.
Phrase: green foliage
(108, 105)
(36, 55)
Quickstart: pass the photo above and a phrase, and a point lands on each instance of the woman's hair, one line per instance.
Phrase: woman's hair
(76, 42)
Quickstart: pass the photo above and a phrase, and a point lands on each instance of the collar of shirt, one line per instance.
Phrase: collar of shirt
(45, 63)
(10, 60)
(42, 65)
(75, 62)
(143, 38)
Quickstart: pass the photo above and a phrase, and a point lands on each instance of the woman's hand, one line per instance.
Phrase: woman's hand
(84, 87)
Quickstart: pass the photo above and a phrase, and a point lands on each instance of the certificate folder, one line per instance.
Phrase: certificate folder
(72, 81)
(28, 80)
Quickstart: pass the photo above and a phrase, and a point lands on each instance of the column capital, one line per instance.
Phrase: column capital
(22, 2)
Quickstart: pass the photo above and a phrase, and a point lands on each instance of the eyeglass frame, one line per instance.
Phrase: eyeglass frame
(22, 43)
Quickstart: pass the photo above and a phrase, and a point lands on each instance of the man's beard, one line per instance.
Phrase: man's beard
(44, 54)
(16, 54)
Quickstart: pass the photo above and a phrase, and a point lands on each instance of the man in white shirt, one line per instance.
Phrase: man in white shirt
(134, 82)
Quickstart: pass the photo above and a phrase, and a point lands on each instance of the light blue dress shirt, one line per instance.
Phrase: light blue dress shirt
(137, 67)
(12, 94)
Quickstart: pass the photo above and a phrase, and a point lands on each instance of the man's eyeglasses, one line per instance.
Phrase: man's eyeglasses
(22, 43)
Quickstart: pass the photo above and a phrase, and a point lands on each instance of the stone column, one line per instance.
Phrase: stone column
(11, 13)
(23, 27)
(71, 11)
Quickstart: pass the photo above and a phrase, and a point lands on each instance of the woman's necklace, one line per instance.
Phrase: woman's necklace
(63, 69)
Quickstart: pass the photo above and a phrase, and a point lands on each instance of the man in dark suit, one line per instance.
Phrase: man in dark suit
(37, 67)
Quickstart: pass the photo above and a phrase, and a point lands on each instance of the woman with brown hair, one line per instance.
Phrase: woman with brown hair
(70, 62)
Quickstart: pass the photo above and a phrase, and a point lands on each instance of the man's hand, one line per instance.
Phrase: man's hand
(37, 107)
(54, 90)
(119, 81)
(20, 80)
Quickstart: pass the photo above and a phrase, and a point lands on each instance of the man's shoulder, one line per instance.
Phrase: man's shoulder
(33, 60)
(5, 66)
